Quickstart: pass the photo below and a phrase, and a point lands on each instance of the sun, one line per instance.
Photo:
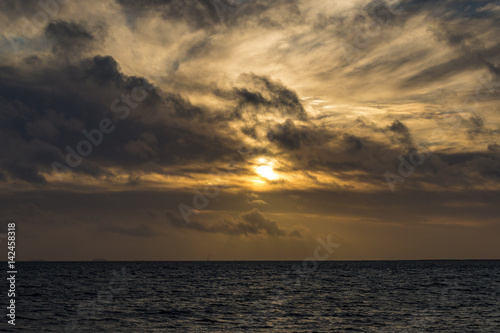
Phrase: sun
(267, 172)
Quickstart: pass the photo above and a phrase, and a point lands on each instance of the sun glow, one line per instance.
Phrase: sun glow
(267, 172)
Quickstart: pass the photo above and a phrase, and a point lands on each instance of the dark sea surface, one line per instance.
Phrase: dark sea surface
(411, 296)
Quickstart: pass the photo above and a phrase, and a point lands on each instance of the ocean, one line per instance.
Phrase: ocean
(363, 296)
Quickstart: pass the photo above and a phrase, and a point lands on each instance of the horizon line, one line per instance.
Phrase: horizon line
(243, 260)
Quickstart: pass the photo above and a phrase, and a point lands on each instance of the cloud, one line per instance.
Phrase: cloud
(475, 126)
(68, 37)
(259, 202)
(36, 129)
(288, 136)
(249, 223)
(494, 147)
(255, 199)
(199, 14)
(262, 95)
(295, 233)
(401, 132)
(353, 142)
(254, 222)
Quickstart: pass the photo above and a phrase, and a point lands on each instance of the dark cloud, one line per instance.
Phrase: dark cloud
(354, 143)
(273, 94)
(249, 223)
(401, 133)
(249, 131)
(466, 169)
(199, 14)
(68, 37)
(102, 70)
(42, 115)
(288, 136)
(32, 60)
(315, 148)
(475, 126)
(262, 95)
(208, 14)
(254, 222)
(494, 147)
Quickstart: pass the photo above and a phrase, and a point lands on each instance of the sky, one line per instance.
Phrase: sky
(250, 130)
